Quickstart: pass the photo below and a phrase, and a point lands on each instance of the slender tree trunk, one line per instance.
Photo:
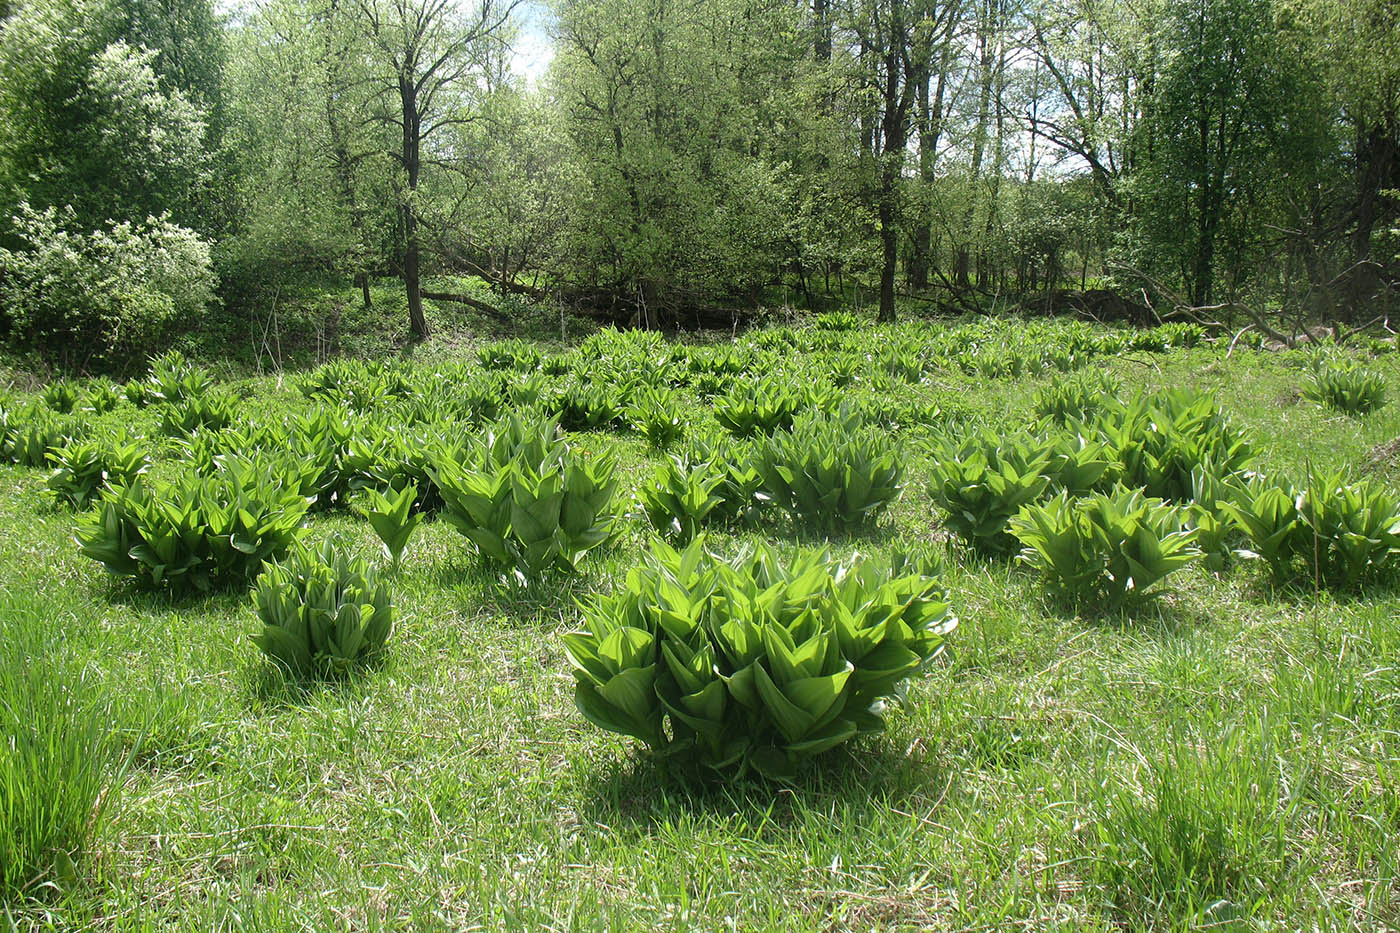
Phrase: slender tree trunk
(412, 248)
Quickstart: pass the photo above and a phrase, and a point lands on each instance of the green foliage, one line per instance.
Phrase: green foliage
(61, 396)
(174, 379)
(829, 471)
(655, 414)
(58, 773)
(1156, 441)
(758, 662)
(982, 483)
(392, 517)
(211, 411)
(682, 496)
(104, 295)
(1104, 549)
(518, 355)
(588, 407)
(323, 612)
(1077, 398)
(197, 533)
(837, 321)
(31, 434)
(525, 500)
(1349, 389)
(101, 398)
(83, 468)
(1335, 532)
(758, 407)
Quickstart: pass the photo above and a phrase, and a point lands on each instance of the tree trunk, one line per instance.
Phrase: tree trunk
(412, 246)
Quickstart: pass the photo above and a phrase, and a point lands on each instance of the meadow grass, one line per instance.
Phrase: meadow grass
(1225, 757)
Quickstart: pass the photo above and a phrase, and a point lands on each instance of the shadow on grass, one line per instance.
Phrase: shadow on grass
(141, 598)
(639, 793)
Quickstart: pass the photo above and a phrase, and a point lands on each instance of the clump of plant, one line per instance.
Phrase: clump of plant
(1104, 549)
(837, 321)
(174, 379)
(1156, 441)
(83, 468)
(1349, 389)
(739, 489)
(1075, 399)
(758, 407)
(1335, 532)
(197, 533)
(683, 496)
(324, 613)
(61, 396)
(101, 398)
(510, 354)
(655, 413)
(983, 482)
(30, 435)
(525, 499)
(756, 663)
(211, 411)
(60, 769)
(587, 407)
(393, 518)
(829, 471)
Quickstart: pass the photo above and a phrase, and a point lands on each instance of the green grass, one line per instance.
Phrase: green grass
(1227, 757)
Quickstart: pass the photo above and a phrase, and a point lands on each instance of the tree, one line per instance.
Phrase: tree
(425, 53)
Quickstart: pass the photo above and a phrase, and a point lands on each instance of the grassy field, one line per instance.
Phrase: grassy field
(1224, 757)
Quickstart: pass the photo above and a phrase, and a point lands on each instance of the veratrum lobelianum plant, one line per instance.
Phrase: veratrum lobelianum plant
(1346, 388)
(525, 499)
(84, 468)
(756, 663)
(983, 482)
(197, 533)
(683, 496)
(323, 612)
(830, 471)
(1104, 549)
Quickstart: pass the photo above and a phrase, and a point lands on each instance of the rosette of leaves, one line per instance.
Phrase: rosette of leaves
(101, 398)
(393, 518)
(757, 663)
(683, 496)
(33, 433)
(829, 471)
(655, 414)
(1346, 388)
(739, 487)
(61, 396)
(210, 411)
(323, 612)
(526, 500)
(1335, 532)
(983, 482)
(587, 407)
(83, 468)
(194, 532)
(1104, 549)
(1075, 399)
(1156, 441)
(510, 354)
(758, 407)
(174, 379)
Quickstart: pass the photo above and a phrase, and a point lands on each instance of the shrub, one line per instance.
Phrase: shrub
(829, 471)
(526, 500)
(758, 662)
(1349, 389)
(82, 469)
(982, 483)
(1104, 549)
(197, 532)
(108, 294)
(323, 613)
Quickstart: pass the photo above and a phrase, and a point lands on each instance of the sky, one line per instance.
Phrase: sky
(533, 47)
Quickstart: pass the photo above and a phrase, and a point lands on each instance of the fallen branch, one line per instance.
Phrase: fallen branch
(470, 302)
